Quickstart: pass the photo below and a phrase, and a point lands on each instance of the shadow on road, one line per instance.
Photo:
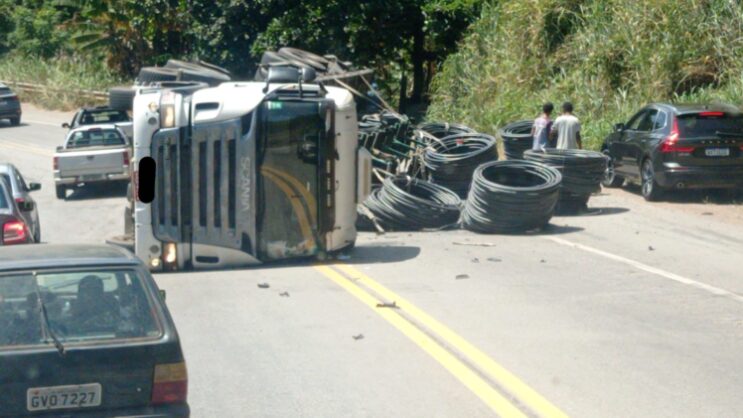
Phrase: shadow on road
(372, 254)
(97, 192)
(705, 196)
(592, 211)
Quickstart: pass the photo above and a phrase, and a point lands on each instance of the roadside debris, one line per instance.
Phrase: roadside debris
(707, 213)
(474, 244)
(475, 260)
(263, 285)
(358, 337)
(392, 305)
(284, 294)
(462, 276)
(650, 248)
(494, 259)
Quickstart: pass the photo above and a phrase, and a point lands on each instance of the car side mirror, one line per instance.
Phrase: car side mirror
(163, 294)
(66, 125)
(32, 187)
(619, 127)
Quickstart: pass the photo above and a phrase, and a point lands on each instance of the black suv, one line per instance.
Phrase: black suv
(10, 106)
(666, 146)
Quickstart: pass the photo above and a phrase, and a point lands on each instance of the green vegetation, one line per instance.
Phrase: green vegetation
(63, 76)
(609, 57)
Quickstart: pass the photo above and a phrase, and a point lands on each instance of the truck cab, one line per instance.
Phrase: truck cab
(245, 172)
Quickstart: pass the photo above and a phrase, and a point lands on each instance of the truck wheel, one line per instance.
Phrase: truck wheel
(61, 192)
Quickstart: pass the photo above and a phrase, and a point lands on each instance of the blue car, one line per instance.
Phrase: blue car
(10, 106)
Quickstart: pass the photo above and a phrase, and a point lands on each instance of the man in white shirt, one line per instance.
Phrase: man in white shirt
(566, 129)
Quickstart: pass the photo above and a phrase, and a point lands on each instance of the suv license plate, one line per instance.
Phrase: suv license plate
(717, 152)
(60, 397)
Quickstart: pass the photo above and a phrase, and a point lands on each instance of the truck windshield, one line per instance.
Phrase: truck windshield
(81, 306)
(95, 138)
(103, 116)
(696, 125)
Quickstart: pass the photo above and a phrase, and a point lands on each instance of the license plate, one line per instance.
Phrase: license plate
(61, 397)
(717, 152)
(93, 177)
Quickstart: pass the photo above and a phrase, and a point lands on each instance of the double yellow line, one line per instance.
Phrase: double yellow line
(502, 391)
(4, 143)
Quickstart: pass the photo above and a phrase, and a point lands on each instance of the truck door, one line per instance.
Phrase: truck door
(295, 153)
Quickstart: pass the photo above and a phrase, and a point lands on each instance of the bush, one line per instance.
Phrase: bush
(609, 57)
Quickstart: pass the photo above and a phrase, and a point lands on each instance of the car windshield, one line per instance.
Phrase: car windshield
(95, 138)
(4, 91)
(82, 306)
(104, 116)
(699, 125)
(3, 199)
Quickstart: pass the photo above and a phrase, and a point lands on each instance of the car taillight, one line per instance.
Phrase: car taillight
(126, 157)
(56, 163)
(15, 232)
(670, 144)
(170, 383)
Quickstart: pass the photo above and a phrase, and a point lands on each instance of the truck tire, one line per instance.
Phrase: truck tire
(61, 192)
(216, 68)
(121, 98)
(149, 75)
(199, 66)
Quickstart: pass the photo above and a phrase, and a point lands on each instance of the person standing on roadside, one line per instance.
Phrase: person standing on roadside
(541, 129)
(566, 129)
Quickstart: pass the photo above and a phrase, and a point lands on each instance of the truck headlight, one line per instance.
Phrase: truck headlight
(167, 109)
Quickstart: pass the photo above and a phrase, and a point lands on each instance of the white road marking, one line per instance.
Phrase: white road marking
(38, 122)
(662, 273)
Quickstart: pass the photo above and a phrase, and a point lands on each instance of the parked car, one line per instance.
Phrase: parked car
(10, 106)
(665, 146)
(84, 332)
(14, 228)
(20, 191)
(101, 115)
(91, 155)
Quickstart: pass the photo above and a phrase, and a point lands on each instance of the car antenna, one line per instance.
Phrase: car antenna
(45, 319)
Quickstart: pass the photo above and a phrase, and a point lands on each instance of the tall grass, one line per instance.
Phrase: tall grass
(609, 57)
(65, 73)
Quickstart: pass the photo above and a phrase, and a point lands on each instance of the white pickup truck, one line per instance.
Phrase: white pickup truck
(90, 155)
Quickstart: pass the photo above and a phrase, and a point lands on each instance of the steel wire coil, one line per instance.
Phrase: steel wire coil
(581, 171)
(453, 159)
(517, 138)
(442, 130)
(511, 196)
(404, 203)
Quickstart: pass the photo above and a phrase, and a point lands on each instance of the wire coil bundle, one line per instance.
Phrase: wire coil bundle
(453, 159)
(442, 130)
(517, 138)
(404, 203)
(511, 196)
(581, 171)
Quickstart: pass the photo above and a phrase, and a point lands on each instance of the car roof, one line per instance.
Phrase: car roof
(3, 85)
(46, 256)
(95, 127)
(687, 108)
(6, 167)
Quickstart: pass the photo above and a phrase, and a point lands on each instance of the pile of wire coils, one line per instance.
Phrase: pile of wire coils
(511, 196)
(404, 203)
(581, 171)
(442, 130)
(517, 138)
(452, 160)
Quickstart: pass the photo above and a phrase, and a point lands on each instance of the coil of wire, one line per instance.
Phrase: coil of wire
(581, 171)
(511, 196)
(442, 130)
(517, 138)
(404, 203)
(454, 158)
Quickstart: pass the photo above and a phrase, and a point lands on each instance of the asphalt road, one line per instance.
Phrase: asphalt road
(634, 312)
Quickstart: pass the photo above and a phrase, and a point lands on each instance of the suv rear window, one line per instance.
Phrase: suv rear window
(82, 306)
(95, 138)
(4, 91)
(103, 116)
(696, 125)
(3, 198)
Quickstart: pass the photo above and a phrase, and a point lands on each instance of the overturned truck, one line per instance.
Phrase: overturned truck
(244, 172)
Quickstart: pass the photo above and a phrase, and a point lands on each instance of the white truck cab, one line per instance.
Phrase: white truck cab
(246, 172)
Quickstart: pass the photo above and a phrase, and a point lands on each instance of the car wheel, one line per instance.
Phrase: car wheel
(15, 121)
(611, 179)
(37, 235)
(651, 191)
(61, 192)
